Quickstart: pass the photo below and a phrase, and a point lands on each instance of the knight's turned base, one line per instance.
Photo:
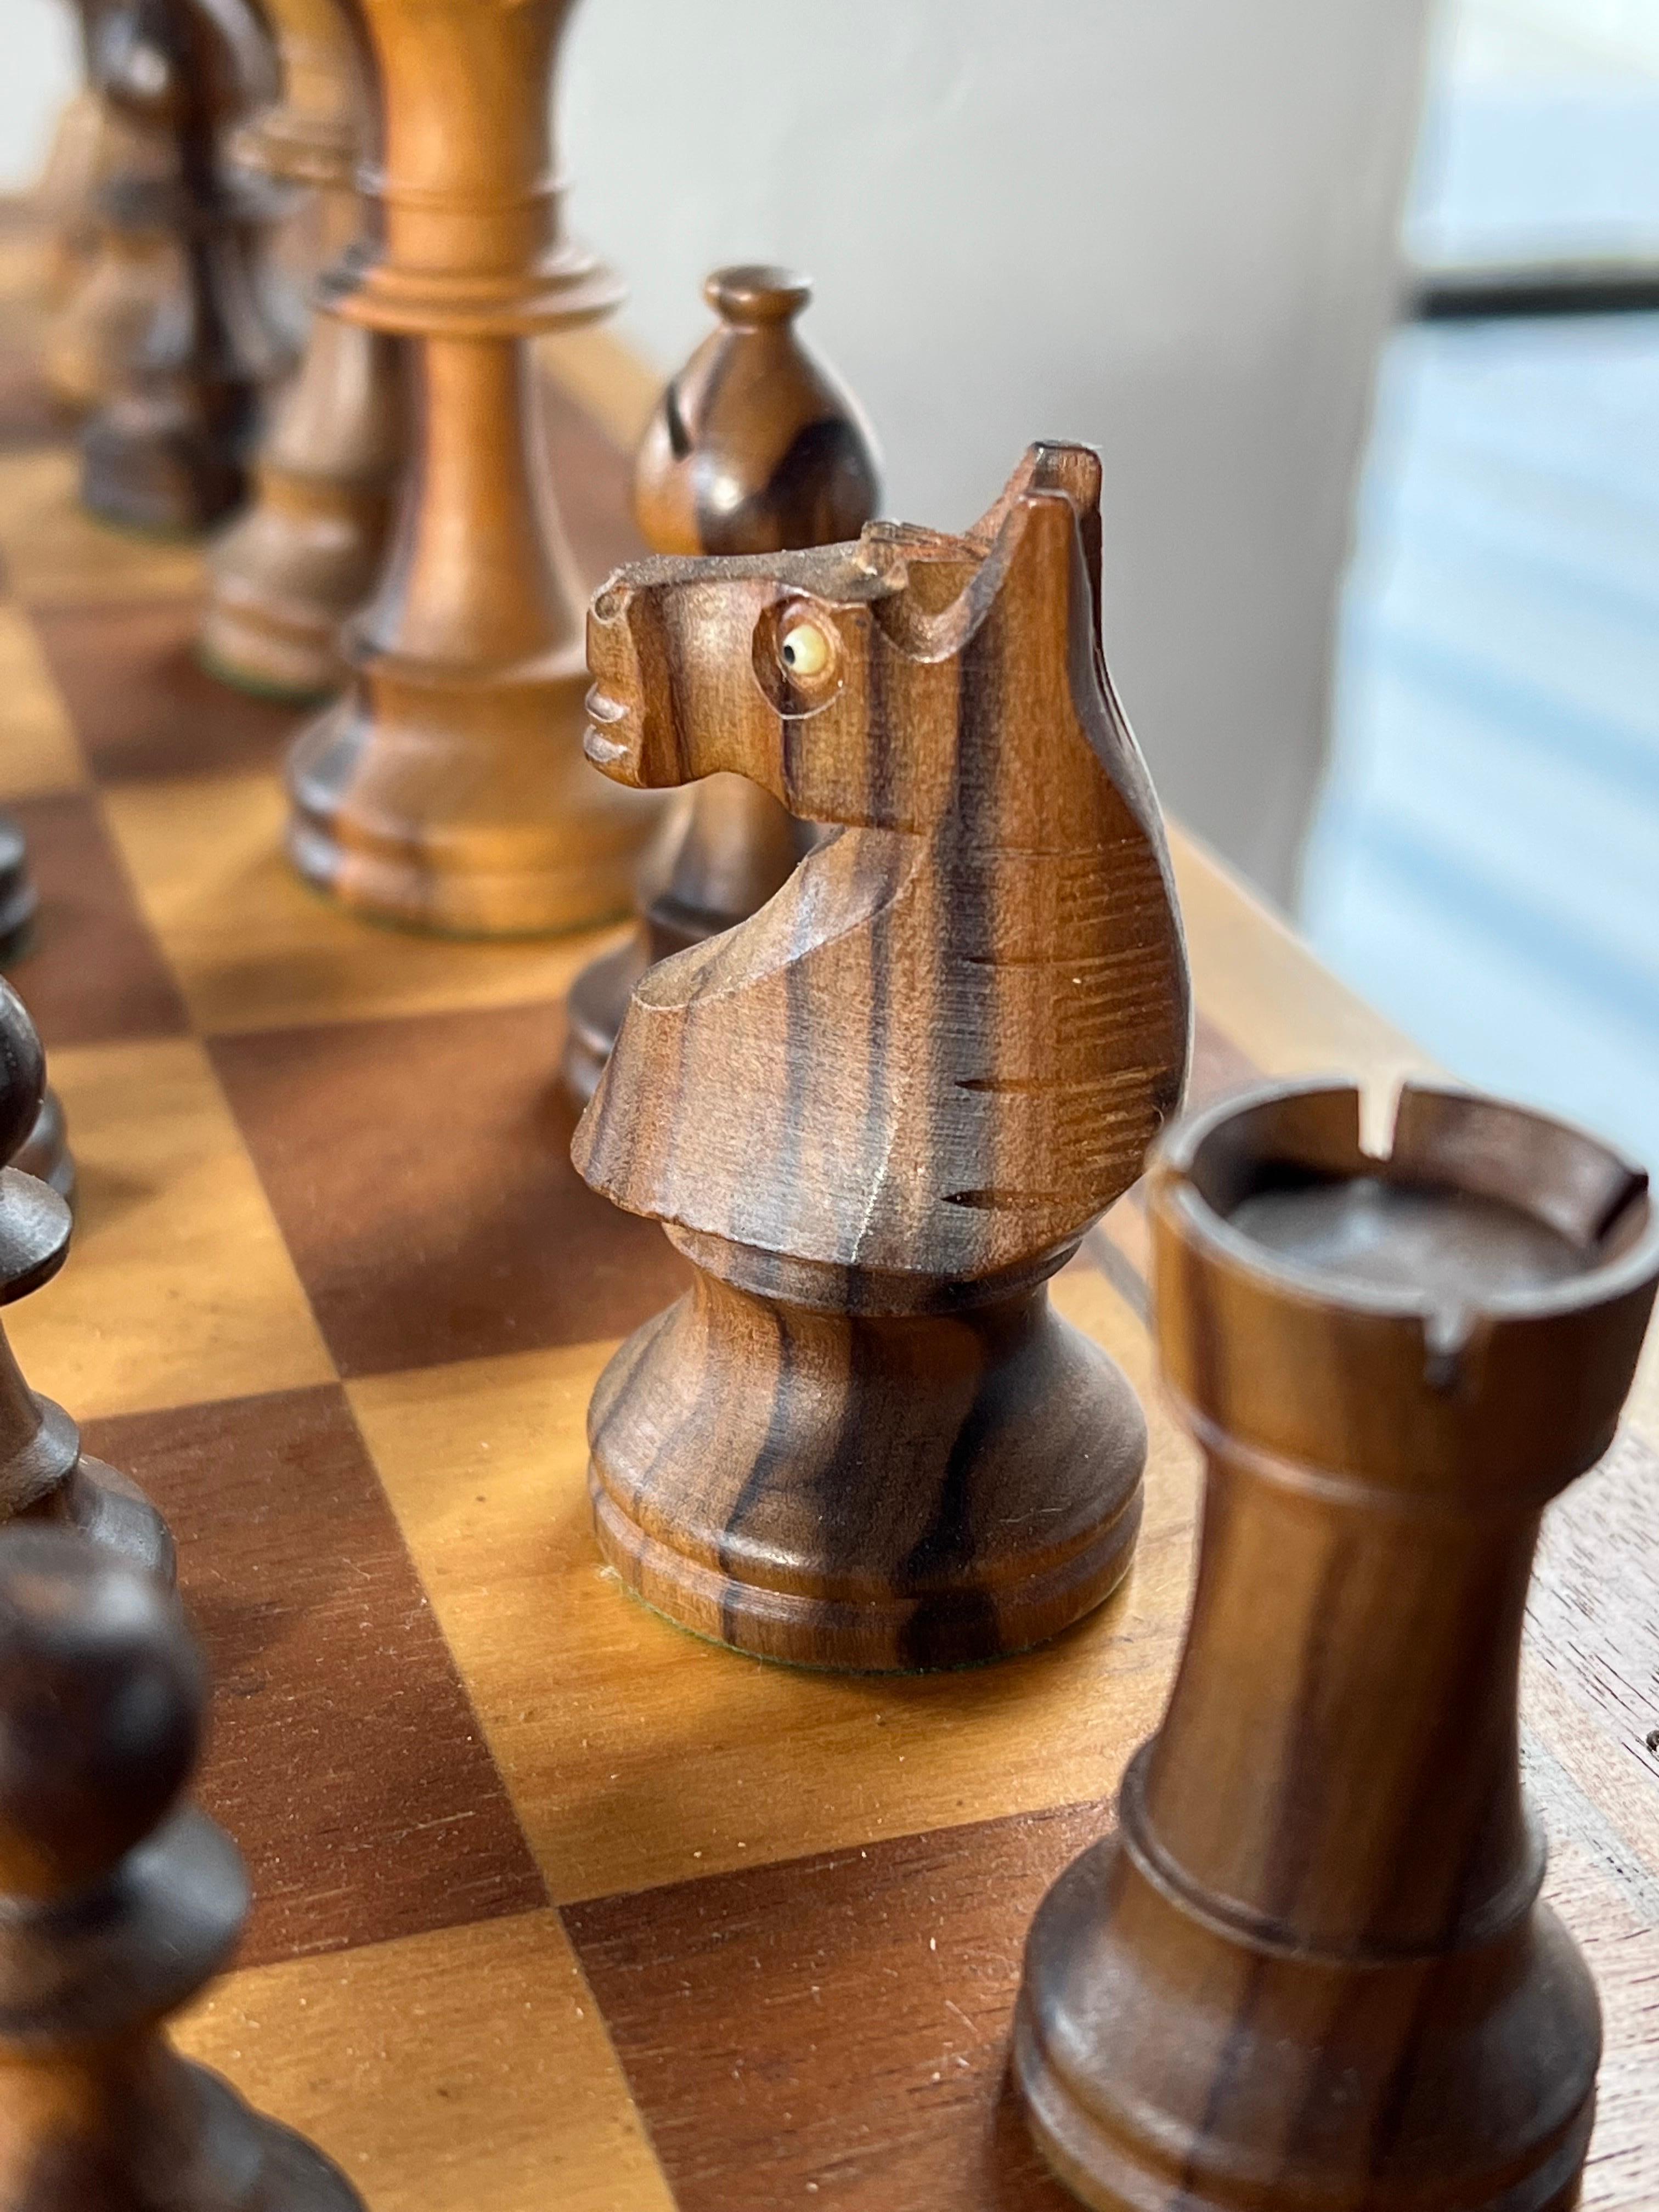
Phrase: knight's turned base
(1168, 2065)
(870, 1493)
(468, 810)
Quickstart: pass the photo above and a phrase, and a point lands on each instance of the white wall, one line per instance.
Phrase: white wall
(1165, 226)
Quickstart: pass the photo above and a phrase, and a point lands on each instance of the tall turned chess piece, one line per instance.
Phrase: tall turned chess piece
(64, 198)
(879, 1114)
(305, 554)
(43, 1473)
(1311, 1967)
(45, 1150)
(755, 448)
(446, 789)
(170, 451)
(119, 1900)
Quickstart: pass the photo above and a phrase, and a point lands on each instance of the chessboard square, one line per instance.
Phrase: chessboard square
(56, 555)
(254, 949)
(463, 2071)
(441, 1143)
(41, 753)
(178, 1287)
(636, 1754)
(91, 971)
(345, 1758)
(835, 2031)
(141, 702)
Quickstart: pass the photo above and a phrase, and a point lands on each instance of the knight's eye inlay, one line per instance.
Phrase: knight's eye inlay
(805, 650)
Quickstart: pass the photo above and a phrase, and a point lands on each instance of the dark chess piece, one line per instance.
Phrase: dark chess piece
(45, 1153)
(44, 1475)
(1311, 1967)
(755, 448)
(117, 1903)
(171, 452)
(18, 897)
(305, 553)
(879, 1114)
(446, 789)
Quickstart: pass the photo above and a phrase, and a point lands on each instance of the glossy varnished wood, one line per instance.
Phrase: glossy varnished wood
(170, 451)
(305, 553)
(446, 789)
(878, 1114)
(119, 1903)
(754, 448)
(1312, 1966)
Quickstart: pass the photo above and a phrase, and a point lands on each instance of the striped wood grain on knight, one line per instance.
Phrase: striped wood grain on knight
(878, 1114)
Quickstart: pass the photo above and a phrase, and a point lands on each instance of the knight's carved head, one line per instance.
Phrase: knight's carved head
(835, 677)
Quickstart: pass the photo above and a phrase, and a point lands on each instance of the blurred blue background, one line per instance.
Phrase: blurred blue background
(1485, 862)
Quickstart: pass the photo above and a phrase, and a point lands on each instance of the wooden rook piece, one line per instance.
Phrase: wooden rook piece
(446, 790)
(118, 1902)
(304, 554)
(755, 448)
(1311, 1967)
(879, 1114)
(170, 451)
(43, 1473)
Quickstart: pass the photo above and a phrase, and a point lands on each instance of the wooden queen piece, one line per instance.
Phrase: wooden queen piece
(1311, 1967)
(878, 1114)
(446, 789)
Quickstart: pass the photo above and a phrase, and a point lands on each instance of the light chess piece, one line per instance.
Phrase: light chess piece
(1312, 1966)
(755, 448)
(305, 554)
(446, 789)
(878, 1114)
(119, 1901)
(170, 451)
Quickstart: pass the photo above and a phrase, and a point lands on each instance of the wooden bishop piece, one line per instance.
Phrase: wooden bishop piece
(447, 788)
(880, 1113)
(170, 451)
(755, 448)
(304, 555)
(117, 1903)
(1311, 1967)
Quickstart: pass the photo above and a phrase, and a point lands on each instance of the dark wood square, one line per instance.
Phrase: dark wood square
(346, 1757)
(420, 1171)
(834, 2032)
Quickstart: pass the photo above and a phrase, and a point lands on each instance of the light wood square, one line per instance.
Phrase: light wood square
(253, 948)
(463, 2071)
(57, 555)
(178, 1288)
(39, 751)
(636, 1754)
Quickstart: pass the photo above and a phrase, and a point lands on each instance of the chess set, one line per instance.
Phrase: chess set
(870, 1506)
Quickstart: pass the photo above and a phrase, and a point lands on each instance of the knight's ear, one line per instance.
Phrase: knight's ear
(1073, 471)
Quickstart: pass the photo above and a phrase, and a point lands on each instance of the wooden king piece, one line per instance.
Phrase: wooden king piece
(446, 789)
(755, 448)
(878, 1115)
(305, 553)
(1311, 1967)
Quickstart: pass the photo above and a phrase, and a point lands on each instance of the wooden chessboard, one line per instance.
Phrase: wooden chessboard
(557, 1906)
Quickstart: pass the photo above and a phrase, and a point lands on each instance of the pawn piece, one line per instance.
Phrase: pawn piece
(44, 1153)
(879, 1114)
(1311, 1967)
(445, 790)
(170, 451)
(304, 556)
(117, 1903)
(43, 1473)
(755, 448)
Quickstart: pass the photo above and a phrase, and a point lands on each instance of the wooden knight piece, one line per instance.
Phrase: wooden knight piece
(119, 1900)
(1312, 1966)
(447, 788)
(305, 553)
(755, 448)
(879, 1114)
(44, 1474)
(170, 451)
